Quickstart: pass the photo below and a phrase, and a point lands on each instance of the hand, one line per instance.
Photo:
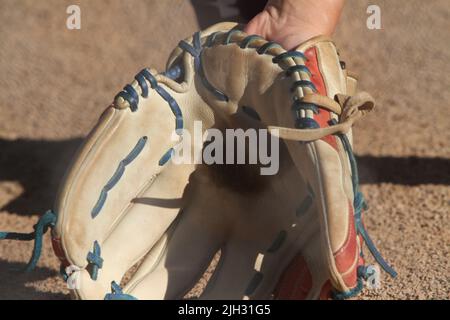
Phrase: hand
(291, 22)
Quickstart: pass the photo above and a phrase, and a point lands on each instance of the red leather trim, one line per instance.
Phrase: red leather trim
(346, 255)
(331, 140)
(59, 252)
(351, 279)
(316, 77)
(325, 293)
(296, 281)
(361, 260)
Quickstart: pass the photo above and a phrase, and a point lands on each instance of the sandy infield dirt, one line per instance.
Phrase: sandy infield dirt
(54, 84)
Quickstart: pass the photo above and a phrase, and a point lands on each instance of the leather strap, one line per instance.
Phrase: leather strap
(350, 109)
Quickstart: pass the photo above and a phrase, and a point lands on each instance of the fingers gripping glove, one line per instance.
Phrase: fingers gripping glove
(294, 235)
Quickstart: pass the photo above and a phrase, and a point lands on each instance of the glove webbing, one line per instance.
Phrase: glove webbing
(47, 221)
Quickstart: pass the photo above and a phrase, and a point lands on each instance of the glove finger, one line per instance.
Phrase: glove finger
(107, 174)
(297, 270)
(148, 218)
(193, 242)
(259, 245)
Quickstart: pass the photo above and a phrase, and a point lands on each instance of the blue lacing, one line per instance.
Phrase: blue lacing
(195, 51)
(359, 205)
(278, 242)
(95, 260)
(134, 153)
(230, 35)
(289, 55)
(130, 95)
(63, 273)
(306, 123)
(364, 273)
(337, 295)
(372, 248)
(267, 46)
(254, 283)
(174, 107)
(251, 113)
(48, 220)
(304, 206)
(166, 157)
(117, 293)
(174, 72)
(303, 84)
(298, 105)
(212, 38)
(298, 68)
(248, 40)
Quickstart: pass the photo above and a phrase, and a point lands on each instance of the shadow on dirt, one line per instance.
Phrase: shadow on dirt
(15, 284)
(213, 11)
(38, 166)
(404, 170)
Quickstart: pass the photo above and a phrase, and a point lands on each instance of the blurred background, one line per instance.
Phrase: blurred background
(55, 82)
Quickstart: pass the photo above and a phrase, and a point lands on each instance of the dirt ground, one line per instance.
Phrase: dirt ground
(54, 83)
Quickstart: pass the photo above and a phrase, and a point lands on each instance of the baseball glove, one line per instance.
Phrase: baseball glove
(296, 233)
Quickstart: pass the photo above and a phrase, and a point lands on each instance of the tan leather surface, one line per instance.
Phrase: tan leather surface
(176, 217)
